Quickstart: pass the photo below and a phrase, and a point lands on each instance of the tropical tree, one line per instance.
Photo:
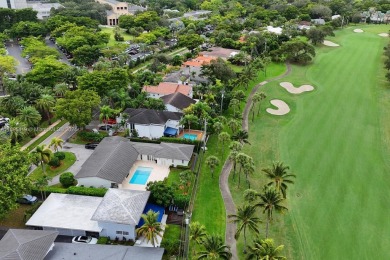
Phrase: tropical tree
(241, 136)
(30, 116)
(233, 157)
(235, 104)
(185, 179)
(55, 143)
(246, 164)
(222, 139)
(189, 119)
(257, 97)
(248, 168)
(218, 127)
(105, 113)
(197, 233)
(245, 218)
(235, 146)
(250, 195)
(214, 249)
(233, 124)
(279, 176)
(43, 155)
(41, 183)
(46, 103)
(212, 162)
(17, 129)
(151, 229)
(270, 201)
(265, 249)
(60, 89)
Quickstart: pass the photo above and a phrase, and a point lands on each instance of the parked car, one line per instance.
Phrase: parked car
(110, 121)
(84, 240)
(91, 146)
(28, 199)
(105, 127)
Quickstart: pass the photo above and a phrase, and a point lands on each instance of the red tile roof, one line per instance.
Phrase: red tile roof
(199, 61)
(166, 88)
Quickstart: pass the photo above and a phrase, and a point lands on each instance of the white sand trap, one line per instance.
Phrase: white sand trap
(358, 30)
(330, 44)
(282, 106)
(293, 90)
(384, 34)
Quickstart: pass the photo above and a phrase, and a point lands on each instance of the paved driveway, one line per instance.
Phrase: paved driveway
(15, 51)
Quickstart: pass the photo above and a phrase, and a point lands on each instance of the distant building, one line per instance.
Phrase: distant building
(318, 21)
(13, 4)
(43, 9)
(197, 15)
(118, 9)
(166, 88)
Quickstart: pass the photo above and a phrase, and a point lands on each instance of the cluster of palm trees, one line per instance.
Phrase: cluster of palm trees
(269, 200)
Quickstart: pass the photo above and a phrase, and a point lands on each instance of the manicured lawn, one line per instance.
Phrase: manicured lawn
(69, 160)
(172, 232)
(127, 37)
(336, 141)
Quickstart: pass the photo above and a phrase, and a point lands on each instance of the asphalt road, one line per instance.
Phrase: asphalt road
(14, 50)
(62, 56)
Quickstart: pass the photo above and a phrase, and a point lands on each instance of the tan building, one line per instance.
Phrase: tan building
(118, 9)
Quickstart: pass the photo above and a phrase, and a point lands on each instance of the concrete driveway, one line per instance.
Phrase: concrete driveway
(15, 51)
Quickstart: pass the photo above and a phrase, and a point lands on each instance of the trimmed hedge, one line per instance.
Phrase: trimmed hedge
(78, 190)
(59, 155)
(103, 240)
(48, 190)
(67, 179)
(141, 140)
(54, 162)
(91, 136)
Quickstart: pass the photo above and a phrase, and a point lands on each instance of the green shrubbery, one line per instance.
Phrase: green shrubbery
(67, 179)
(59, 155)
(78, 190)
(54, 162)
(182, 200)
(91, 137)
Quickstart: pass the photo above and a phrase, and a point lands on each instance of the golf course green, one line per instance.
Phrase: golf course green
(336, 140)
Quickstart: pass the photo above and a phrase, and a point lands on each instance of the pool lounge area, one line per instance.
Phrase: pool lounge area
(192, 134)
(143, 172)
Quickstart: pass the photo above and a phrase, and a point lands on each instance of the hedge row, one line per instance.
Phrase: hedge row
(76, 190)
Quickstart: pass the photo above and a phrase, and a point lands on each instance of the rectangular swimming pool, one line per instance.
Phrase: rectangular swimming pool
(190, 136)
(141, 175)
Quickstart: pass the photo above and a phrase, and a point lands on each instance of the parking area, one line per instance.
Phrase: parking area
(15, 51)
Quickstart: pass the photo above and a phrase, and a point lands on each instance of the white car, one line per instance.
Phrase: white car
(84, 240)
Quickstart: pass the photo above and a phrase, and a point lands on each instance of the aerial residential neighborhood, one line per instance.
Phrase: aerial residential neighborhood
(203, 129)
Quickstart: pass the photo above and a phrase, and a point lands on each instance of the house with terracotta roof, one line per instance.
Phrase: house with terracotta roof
(199, 61)
(166, 88)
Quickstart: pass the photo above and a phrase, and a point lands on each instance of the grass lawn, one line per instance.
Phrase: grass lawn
(112, 42)
(172, 232)
(336, 140)
(69, 160)
(15, 218)
(43, 137)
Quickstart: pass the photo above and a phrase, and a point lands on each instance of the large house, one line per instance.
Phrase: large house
(118, 9)
(152, 123)
(111, 162)
(177, 102)
(166, 88)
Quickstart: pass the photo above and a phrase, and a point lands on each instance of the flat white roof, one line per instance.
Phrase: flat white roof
(68, 212)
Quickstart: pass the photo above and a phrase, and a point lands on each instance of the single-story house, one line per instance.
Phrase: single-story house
(26, 244)
(115, 215)
(152, 123)
(111, 161)
(166, 88)
(199, 61)
(220, 52)
(177, 102)
(275, 30)
(318, 21)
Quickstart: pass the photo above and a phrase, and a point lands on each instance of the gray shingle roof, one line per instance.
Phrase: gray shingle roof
(111, 160)
(122, 206)
(150, 116)
(166, 150)
(178, 100)
(65, 251)
(26, 244)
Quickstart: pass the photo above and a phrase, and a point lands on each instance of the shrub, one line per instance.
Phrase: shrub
(171, 246)
(181, 200)
(48, 190)
(141, 140)
(97, 192)
(103, 240)
(91, 137)
(54, 162)
(67, 179)
(59, 155)
(160, 193)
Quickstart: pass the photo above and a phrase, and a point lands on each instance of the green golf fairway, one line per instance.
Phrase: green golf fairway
(336, 140)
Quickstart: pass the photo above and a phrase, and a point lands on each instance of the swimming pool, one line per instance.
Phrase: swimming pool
(190, 136)
(141, 175)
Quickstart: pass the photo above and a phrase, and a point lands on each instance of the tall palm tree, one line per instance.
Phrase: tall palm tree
(248, 168)
(235, 104)
(197, 233)
(265, 249)
(235, 146)
(214, 249)
(46, 103)
(30, 116)
(242, 160)
(41, 183)
(105, 113)
(17, 129)
(257, 98)
(270, 200)
(241, 136)
(279, 176)
(233, 124)
(189, 119)
(217, 127)
(44, 156)
(60, 89)
(212, 162)
(223, 137)
(55, 143)
(234, 158)
(151, 229)
(245, 218)
(250, 195)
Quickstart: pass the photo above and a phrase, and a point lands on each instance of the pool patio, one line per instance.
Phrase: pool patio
(198, 133)
(158, 173)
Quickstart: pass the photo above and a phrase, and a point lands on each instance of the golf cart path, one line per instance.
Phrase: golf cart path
(230, 207)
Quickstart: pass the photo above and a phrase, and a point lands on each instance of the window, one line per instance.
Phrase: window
(125, 8)
(172, 160)
(122, 8)
(125, 233)
(132, 126)
(182, 161)
(117, 8)
(119, 232)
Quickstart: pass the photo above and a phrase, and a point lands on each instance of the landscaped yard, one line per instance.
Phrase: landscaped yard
(126, 36)
(336, 140)
(69, 160)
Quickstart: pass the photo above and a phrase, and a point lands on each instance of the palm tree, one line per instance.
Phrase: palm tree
(46, 103)
(233, 124)
(235, 104)
(189, 119)
(197, 233)
(245, 218)
(151, 229)
(212, 162)
(257, 98)
(60, 89)
(217, 127)
(233, 157)
(248, 168)
(56, 142)
(30, 116)
(17, 129)
(44, 155)
(265, 249)
(223, 138)
(250, 195)
(105, 113)
(214, 248)
(241, 136)
(269, 201)
(279, 177)
(235, 146)
(41, 183)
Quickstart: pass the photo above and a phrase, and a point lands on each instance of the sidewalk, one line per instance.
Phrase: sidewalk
(40, 134)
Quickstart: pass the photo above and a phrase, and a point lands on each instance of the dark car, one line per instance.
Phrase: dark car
(84, 240)
(105, 127)
(28, 199)
(91, 146)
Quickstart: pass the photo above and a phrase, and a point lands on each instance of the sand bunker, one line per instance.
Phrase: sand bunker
(282, 107)
(384, 34)
(358, 30)
(330, 44)
(293, 90)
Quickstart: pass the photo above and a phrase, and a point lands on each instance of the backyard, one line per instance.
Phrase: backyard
(336, 140)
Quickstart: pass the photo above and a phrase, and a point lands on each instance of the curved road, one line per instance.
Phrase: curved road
(230, 207)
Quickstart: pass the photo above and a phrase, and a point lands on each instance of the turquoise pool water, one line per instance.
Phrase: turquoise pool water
(141, 175)
(190, 136)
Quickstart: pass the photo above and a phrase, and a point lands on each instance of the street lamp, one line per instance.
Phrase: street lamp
(222, 94)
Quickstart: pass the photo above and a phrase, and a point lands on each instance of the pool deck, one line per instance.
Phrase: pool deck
(198, 133)
(158, 173)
